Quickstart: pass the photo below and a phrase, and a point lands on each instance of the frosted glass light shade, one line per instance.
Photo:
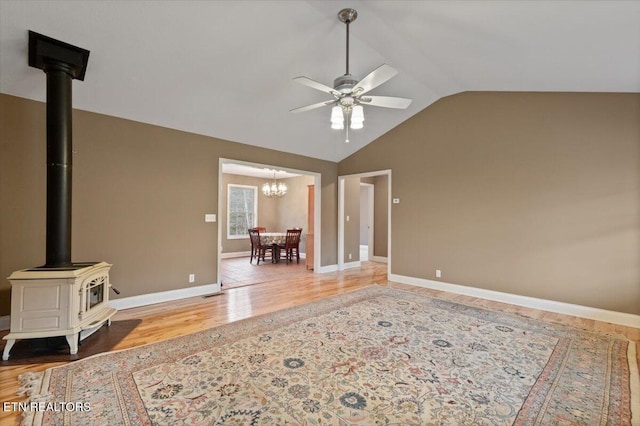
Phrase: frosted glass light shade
(337, 118)
(357, 117)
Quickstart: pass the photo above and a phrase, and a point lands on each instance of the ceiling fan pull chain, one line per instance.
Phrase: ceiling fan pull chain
(346, 140)
(347, 124)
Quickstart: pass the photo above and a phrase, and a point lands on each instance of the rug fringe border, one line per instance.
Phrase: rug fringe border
(35, 386)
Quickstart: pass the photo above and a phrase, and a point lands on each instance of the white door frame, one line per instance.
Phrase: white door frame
(341, 216)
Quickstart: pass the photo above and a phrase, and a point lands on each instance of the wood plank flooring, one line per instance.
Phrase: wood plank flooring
(238, 272)
(148, 324)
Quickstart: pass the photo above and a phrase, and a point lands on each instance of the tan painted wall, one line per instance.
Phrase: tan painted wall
(352, 226)
(140, 193)
(292, 212)
(364, 215)
(536, 194)
(381, 215)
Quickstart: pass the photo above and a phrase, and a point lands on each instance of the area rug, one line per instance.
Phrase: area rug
(373, 356)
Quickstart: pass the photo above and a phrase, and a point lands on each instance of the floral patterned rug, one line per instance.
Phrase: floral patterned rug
(373, 356)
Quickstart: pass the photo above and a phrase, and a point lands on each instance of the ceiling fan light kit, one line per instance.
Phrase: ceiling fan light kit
(348, 91)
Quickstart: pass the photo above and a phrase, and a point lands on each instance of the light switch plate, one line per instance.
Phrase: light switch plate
(396, 201)
(209, 217)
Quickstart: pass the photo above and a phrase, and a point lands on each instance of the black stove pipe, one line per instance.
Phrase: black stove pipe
(59, 165)
(62, 63)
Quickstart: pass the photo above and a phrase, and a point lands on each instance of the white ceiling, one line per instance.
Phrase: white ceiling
(225, 68)
(259, 172)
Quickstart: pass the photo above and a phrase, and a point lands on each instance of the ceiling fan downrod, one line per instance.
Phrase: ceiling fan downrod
(347, 16)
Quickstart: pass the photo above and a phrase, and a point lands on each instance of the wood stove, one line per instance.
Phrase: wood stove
(60, 298)
(70, 302)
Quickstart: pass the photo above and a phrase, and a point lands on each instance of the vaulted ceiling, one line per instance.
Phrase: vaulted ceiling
(225, 68)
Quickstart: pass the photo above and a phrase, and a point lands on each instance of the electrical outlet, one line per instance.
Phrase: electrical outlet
(192, 278)
(438, 273)
(349, 256)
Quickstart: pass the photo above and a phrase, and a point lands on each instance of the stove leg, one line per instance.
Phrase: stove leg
(7, 348)
(72, 340)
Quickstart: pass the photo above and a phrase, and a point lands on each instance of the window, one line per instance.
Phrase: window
(242, 210)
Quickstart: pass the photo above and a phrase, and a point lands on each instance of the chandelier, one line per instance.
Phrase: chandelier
(274, 189)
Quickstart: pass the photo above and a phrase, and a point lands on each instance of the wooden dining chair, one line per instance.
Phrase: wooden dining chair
(291, 244)
(258, 250)
(261, 229)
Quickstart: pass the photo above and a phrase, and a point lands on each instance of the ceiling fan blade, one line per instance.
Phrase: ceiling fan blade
(315, 85)
(385, 101)
(374, 79)
(313, 106)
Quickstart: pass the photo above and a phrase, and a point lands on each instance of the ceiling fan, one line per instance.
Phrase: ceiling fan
(349, 93)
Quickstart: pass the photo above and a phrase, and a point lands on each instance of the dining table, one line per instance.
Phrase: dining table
(273, 239)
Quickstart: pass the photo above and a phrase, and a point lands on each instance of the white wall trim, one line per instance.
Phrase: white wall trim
(350, 265)
(597, 314)
(380, 259)
(327, 269)
(163, 296)
(235, 254)
(364, 252)
(5, 322)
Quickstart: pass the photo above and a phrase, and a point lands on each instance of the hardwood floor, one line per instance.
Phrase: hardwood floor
(148, 324)
(238, 272)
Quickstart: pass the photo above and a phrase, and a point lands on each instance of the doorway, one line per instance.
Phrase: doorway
(277, 214)
(376, 211)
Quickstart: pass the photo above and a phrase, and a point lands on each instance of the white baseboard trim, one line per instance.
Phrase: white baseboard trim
(379, 259)
(597, 314)
(235, 254)
(163, 296)
(350, 265)
(327, 269)
(5, 322)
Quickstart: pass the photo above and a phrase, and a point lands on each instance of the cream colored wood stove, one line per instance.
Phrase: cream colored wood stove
(70, 302)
